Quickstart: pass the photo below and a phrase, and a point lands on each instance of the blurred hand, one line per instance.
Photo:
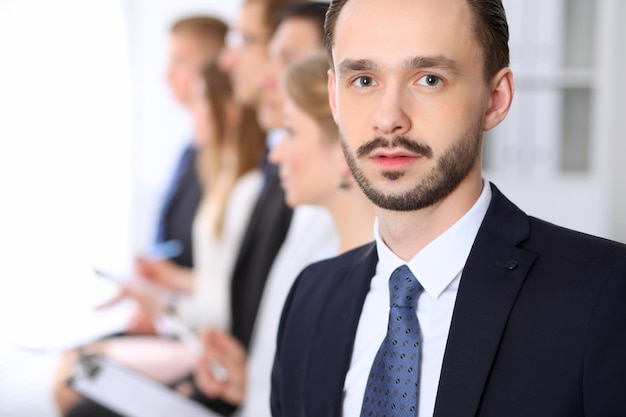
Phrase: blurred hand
(165, 273)
(150, 300)
(223, 349)
(141, 323)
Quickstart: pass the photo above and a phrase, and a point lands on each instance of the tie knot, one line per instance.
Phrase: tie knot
(404, 288)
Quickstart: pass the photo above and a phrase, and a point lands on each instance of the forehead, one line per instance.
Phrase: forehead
(386, 31)
(296, 34)
(251, 18)
(186, 39)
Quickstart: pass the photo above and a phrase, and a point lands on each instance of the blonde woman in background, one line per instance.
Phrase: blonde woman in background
(231, 146)
(313, 171)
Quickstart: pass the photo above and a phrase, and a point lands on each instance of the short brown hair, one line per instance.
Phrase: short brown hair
(310, 11)
(490, 29)
(306, 83)
(273, 10)
(209, 28)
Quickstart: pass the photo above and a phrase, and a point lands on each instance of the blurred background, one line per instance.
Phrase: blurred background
(88, 132)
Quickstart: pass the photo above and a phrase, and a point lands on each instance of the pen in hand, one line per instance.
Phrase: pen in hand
(173, 322)
(164, 250)
(159, 251)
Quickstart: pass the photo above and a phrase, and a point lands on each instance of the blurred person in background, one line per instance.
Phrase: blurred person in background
(244, 59)
(194, 42)
(314, 172)
(230, 145)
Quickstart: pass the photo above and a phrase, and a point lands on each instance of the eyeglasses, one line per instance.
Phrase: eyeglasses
(239, 40)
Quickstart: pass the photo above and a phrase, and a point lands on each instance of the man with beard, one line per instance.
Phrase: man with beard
(464, 305)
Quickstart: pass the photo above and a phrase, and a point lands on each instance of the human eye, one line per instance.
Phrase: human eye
(288, 132)
(430, 80)
(363, 81)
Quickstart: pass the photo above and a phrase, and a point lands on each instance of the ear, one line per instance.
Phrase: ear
(500, 98)
(332, 99)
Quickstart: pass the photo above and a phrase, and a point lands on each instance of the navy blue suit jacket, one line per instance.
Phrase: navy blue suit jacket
(180, 206)
(538, 329)
(264, 237)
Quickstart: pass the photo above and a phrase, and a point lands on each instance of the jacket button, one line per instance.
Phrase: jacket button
(511, 264)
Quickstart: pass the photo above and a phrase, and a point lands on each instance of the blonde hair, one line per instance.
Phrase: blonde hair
(236, 150)
(306, 85)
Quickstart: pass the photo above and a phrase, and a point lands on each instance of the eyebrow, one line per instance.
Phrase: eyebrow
(350, 66)
(437, 61)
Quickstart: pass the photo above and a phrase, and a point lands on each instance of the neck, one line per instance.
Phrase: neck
(407, 233)
(353, 216)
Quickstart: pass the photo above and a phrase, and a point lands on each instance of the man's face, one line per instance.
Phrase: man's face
(187, 55)
(294, 39)
(408, 92)
(245, 54)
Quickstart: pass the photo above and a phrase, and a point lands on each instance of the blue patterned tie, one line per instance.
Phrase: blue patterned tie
(392, 385)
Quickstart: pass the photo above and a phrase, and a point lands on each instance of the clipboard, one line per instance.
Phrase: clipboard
(130, 393)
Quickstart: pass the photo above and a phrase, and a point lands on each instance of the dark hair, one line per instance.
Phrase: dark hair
(273, 10)
(208, 28)
(490, 29)
(315, 12)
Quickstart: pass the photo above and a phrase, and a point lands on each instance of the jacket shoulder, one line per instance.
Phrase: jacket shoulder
(325, 272)
(551, 237)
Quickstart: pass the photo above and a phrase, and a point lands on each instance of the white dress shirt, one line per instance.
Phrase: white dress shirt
(438, 268)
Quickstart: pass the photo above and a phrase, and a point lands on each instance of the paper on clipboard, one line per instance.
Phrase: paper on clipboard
(131, 394)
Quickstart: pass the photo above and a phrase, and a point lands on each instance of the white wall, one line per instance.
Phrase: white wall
(65, 160)
(86, 125)
(591, 198)
(618, 124)
(65, 169)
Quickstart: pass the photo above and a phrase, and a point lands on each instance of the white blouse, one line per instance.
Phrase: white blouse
(214, 258)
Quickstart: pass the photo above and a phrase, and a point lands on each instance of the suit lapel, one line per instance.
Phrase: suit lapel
(183, 179)
(335, 330)
(491, 280)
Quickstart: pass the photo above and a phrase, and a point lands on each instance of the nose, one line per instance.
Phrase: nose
(271, 74)
(391, 117)
(225, 60)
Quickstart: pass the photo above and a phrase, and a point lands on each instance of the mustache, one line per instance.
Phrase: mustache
(397, 141)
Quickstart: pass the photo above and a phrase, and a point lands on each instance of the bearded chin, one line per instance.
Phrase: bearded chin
(452, 166)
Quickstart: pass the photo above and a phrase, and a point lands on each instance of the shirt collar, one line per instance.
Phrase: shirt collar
(273, 136)
(443, 259)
